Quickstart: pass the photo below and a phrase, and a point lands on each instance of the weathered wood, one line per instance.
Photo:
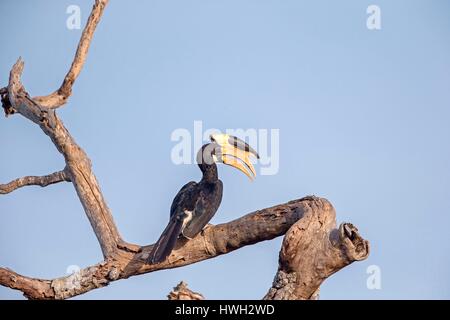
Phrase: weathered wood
(258, 226)
(182, 292)
(313, 248)
(41, 181)
(78, 165)
(61, 95)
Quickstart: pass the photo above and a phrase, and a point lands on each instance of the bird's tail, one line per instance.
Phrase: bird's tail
(166, 242)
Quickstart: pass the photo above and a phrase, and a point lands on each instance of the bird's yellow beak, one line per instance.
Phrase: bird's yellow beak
(236, 153)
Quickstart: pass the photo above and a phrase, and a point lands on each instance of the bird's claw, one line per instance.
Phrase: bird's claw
(186, 237)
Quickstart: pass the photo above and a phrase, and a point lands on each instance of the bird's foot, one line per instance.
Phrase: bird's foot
(134, 248)
(209, 225)
(186, 237)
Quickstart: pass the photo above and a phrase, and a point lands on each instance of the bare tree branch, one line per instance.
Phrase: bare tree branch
(78, 165)
(60, 96)
(216, 240)
(313, 249)
(42, 181)
(29, 286)
(182, 292)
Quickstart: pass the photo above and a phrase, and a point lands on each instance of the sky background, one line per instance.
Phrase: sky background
(363, 118)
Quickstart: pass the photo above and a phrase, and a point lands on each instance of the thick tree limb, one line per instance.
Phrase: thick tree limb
(60, 96)
(216, 240)
(42, 181)
(78, 165)
(313, 249)
(29, 286)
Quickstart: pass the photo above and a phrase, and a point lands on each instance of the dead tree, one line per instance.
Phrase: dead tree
(313, 247)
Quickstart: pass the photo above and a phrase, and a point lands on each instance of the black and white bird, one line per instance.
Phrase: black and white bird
(197, 202)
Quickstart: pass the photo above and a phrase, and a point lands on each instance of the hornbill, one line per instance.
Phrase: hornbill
(197, 202)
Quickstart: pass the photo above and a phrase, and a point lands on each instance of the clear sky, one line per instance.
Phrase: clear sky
(363, 118)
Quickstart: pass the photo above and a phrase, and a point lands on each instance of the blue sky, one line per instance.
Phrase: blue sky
(363, 118)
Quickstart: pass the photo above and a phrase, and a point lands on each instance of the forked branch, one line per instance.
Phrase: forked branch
(313, 248)
(182, 292)
(60, 96)
(214, 241)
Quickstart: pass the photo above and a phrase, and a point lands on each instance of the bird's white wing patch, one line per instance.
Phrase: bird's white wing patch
(187, 218)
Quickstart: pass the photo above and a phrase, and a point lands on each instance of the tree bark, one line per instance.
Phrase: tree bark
(312, 250)
(62, 94)
(42, 181)
(182, 292)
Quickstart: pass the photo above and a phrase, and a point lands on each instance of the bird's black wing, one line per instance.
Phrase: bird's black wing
(205, 208)
(183, 197)
(166, 242)
(184, 200)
